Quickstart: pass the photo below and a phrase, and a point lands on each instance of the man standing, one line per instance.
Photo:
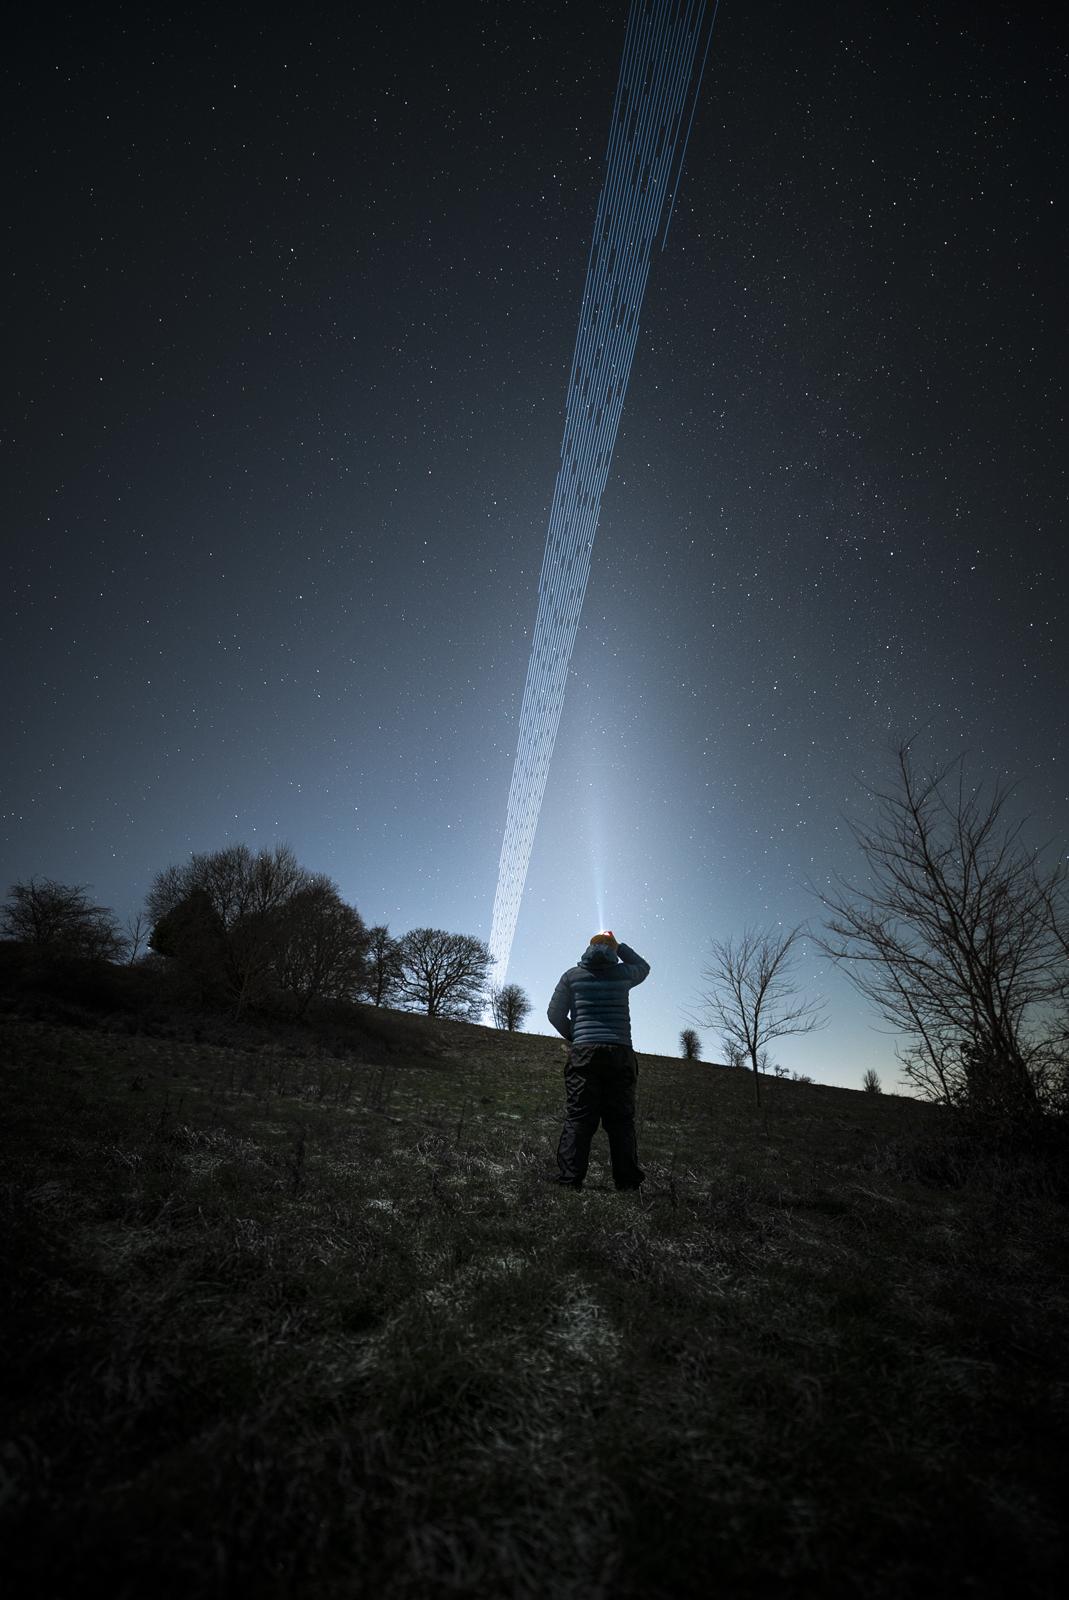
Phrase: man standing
(590, 1009)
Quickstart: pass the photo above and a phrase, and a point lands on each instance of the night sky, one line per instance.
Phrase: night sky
(291, 311)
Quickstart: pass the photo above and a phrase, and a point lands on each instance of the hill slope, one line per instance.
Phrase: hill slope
(296, 1320)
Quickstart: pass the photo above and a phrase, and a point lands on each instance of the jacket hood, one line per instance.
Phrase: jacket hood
(598, 955)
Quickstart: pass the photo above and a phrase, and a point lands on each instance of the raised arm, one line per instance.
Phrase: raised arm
(637, 969)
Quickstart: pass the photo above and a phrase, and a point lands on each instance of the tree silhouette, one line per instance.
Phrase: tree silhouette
(689, 1044)
(382, 962)
(510, 1006)
(444, 974)
(871, 1082)
(321, 943)
(752, 997)
(955, 940)
(60, 919)
(258, 924)
(192, 935)
(137, 933)
(238, 884)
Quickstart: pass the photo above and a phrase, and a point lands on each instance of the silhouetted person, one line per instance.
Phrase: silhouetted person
(590, 1009)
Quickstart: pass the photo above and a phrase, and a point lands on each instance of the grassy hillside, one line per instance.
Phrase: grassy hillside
(294, 1316)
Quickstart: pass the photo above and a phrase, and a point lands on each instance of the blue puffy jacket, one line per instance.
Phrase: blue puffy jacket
(589, 1004)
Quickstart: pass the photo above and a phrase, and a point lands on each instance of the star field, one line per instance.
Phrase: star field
(293, 311)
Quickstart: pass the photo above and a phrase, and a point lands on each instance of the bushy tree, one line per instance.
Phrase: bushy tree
(192, 935)
(258, 923)
(444, 974)
(509, 1006)
(60, 919)
(752, 997)
(238, 884)
(956, 940)
(871, 1082)
(689, 1044)
(383, 972)
(245, 894)
(321, 943)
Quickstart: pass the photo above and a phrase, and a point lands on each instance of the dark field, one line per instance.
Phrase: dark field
(293, 1316)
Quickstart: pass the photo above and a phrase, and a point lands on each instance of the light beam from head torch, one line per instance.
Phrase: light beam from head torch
(660, 76)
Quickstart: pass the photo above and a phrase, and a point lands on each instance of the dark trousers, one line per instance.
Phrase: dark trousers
(600, 1084)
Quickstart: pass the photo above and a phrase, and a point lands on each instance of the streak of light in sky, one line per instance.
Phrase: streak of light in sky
(660, 76)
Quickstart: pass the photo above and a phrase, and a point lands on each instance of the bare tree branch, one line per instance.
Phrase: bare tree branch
(955, 936)
(753, 997)
(138, 929)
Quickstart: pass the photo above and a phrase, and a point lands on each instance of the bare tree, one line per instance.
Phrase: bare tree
(383, 969)
(320, 945)
(689, 1044)
(510, 1006)
(953, 939)
(60, 919)
(871, 1082)
(138, 929)
(753, 997)
(444, 974)
(1057, 1066)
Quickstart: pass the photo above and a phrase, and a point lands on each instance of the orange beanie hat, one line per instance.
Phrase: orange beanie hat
(608, 937)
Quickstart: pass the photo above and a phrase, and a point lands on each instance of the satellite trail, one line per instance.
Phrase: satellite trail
(660, 76)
